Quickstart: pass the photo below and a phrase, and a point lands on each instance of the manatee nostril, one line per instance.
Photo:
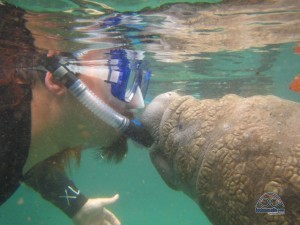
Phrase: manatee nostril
(180, 126)
(171, 93)
(168, 94)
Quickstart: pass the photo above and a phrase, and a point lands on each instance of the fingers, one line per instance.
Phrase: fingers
(107, 201)
(110, 217)
(94, 213)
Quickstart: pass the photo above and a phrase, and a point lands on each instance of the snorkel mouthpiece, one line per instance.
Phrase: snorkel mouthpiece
(57, 66)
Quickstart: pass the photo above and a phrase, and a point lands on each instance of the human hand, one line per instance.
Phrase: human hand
(94, 213)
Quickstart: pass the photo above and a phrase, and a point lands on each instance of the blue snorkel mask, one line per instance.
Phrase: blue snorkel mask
(127, 76)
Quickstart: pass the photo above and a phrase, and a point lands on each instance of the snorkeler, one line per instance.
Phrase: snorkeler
(42, 124)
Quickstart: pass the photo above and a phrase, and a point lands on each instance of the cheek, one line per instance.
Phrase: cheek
(98, 87)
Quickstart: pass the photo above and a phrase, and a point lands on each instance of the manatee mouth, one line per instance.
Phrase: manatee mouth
(164, 169)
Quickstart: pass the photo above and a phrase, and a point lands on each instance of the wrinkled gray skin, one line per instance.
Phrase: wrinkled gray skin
(226, 153)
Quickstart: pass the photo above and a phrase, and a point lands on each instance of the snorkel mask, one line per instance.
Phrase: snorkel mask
(127, 77)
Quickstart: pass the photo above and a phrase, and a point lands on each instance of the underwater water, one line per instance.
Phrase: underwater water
(205, 49)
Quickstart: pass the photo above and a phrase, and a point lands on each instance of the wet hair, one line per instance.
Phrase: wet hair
(18, 54)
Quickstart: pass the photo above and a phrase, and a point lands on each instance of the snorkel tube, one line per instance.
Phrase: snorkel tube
(131, 128)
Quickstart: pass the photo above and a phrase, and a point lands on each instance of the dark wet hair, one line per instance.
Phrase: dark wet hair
(17, 55)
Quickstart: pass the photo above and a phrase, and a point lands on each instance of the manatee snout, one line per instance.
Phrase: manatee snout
(154, 115)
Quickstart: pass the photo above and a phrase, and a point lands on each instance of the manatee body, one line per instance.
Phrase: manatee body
(226, 153)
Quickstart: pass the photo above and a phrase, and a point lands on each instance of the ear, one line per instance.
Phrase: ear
(54, 86)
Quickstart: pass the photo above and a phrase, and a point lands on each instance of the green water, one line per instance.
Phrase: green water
(118, 5)
(206, 59)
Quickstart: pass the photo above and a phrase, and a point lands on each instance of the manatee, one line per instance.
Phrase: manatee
(226, 153)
